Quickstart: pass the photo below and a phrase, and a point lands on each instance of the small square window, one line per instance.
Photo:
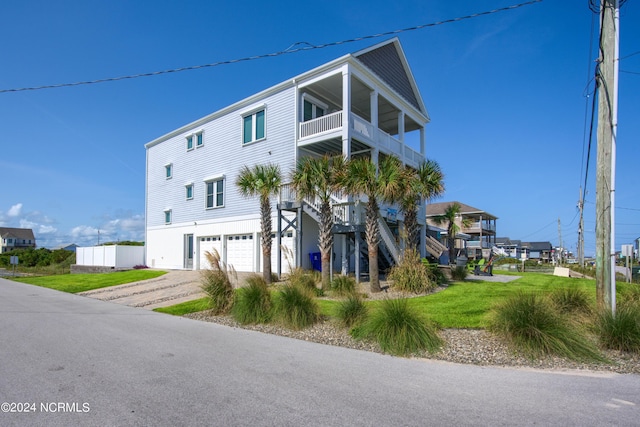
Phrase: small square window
(199, 139)
(167, 216)
(190, 142)
(168, 170)
(189, 191)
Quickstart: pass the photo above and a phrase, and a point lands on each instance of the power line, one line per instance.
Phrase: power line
(301, 46)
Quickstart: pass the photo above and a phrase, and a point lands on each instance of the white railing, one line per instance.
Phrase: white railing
(339, 203)
(388, 239)
(321, 124)
(366, 131)
(480, 225)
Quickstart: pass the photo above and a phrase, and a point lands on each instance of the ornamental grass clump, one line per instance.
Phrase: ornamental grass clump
(343, 285)
(305, 280)
(571, 300)
(533, 325)
(410, 275)
(351, 311)
(296, 307)
(459, 273)
(399, 329)
(620, 331)
(253, 302)
(216, 283)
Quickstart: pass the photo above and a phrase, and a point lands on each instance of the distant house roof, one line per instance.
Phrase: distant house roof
(507, 241)
(539, 246)
(434, 209)
(17, 233)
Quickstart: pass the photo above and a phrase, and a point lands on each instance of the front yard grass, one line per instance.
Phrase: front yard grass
(74, 283)
(462, 305)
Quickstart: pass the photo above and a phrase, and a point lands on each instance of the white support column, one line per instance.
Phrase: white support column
(346, 113)
(344, 246)
(374, 108)
(401, 126)
(423, 142)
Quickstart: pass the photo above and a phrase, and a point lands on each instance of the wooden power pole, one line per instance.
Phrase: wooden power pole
(607, 81)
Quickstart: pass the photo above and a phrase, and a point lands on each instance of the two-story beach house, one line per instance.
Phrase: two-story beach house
(364, 104)
(16, 238)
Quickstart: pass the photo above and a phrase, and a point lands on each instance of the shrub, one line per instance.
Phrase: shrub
(410, 275)
(459, 273)
(622, 331)
(530, 322)
(628, 294)
(252, 302)
(217, 284)
(343, 285)
(351, 311)
(296, 308)
(571, 300)
(305, 280)
(399, 329)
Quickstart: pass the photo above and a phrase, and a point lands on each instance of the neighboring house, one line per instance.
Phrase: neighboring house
(513, 248)
(364, 104)
(69, 247)
(541, 251)
(16, 238)
(481, 230)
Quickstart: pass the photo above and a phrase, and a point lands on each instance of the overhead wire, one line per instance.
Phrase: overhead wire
(294, 48)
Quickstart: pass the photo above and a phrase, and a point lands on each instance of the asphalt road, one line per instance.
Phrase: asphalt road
(71, 360)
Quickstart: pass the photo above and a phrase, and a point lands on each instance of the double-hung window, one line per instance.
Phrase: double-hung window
(195, 140)
(214, 193)
(253, 126)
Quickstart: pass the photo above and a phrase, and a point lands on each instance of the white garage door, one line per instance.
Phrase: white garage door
(208, 244)
(240, 252)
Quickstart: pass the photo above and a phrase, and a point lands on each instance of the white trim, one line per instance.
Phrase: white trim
(214, 177)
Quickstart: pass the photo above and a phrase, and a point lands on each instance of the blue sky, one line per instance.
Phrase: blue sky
(505, 92)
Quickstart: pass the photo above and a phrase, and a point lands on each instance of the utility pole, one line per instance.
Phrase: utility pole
(581, 232)
(607, 82)
(560, 242)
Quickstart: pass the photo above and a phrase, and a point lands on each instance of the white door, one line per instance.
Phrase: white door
(288, 253)
(240, 252)
(209, 244)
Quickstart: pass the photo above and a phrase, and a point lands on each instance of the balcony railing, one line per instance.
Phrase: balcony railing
(364, 130)
(322, 124)
(479, 225)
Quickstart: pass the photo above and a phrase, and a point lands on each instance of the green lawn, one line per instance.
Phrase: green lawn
(186, 307)
(74, 283)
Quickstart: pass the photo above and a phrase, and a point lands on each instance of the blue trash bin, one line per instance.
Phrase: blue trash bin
(316, 261)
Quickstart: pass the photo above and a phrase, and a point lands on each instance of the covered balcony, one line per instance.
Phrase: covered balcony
(370, 122)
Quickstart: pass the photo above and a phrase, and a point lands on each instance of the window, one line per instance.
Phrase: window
(312, 111)
(199, 139)
(168, 170)
(190, 142)
(167, 216)
(189, 191)
(215, 193)
(253, 128)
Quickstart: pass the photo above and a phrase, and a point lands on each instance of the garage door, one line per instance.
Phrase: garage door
(240, 252)
(208, 244)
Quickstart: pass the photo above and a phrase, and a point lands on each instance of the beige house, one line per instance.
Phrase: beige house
(479, 234)
(16, 238)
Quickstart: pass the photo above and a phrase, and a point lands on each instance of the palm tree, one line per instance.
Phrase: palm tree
(263, 181)
(319, 177)
(449, 217)
(383, 184)
(426, 182)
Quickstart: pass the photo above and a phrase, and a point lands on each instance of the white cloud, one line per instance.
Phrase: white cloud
(15, 210)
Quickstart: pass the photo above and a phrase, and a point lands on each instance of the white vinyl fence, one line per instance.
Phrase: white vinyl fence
(110, 256)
